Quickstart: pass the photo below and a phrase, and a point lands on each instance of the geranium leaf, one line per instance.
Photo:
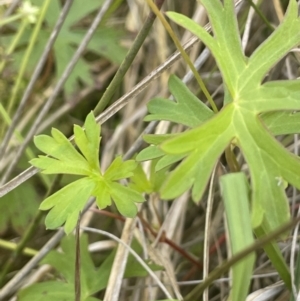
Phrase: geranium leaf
(158, 139)
(188, 109)
(149, 153)
(101, 192)
(63, 152)
(88, 140)
(246, 120)
(125, 198)
(67, 203)
(53, 166)
(282, 123)
(119, 169)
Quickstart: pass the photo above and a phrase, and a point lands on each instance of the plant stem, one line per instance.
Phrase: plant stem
(27, 54)
(261, 15)
(14, 43)
(8, 245)
(184, 54)
(139, 40)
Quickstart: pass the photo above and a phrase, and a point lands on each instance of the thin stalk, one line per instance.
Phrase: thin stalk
(8, 245)
(261, 15)
(35, 75)
(231, 160)
(13, 284)
(77, 282)
(11, 19)
(127, 62)
(14, 43)
(184, 54)
(27, 55)
(29, 152)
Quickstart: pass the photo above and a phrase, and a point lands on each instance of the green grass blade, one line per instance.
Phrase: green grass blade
(236, 199)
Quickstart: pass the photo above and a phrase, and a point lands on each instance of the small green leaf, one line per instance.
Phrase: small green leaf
(88, 140)
(139, 181)
(67, 203)
(18, 208)
(63, 152)
(53, 166)
(57, 146)
(158, 139)
(167, 160)
(188, 110)
(149, 153)
(119, 169)
(282, 123)
(101, 192)
(125, 198)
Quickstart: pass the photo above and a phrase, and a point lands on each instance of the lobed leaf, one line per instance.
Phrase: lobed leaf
(63, 152)
(119, 169)
(88, 140)
(67, 203)
(158, 139)
(149, 153)
(53, 166)
(125, 198)
(246, 120)
(282, 123)
(188, 109)
(102, 194)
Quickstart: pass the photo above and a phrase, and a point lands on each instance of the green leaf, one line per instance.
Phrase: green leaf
(93, 279)
(67, 203)
(282, 123)
(48, 291)
(119, 170)
(158, 139)
(64, 154)
(102, 194)
(125, 198)
(167, 160)
(239, 122)
(139, 181)
(149, 153)
(18, 208)
(234, 188)
(88, 140)
(204, 144)
(188, 109)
